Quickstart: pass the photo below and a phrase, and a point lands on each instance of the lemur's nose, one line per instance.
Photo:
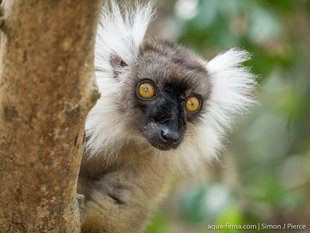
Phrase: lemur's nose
(169, 136)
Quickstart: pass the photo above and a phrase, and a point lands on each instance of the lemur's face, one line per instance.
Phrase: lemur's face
(171, 88)
(164, 113)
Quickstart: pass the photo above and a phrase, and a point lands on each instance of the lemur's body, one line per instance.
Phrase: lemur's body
(124, 194)
(162, 108)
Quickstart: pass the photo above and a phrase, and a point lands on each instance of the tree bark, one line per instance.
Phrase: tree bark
(46, 91)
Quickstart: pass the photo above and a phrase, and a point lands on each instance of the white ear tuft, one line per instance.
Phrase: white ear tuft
(232, 85)
(120, 33)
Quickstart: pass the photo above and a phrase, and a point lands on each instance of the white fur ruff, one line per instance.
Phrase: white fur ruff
(121, 36)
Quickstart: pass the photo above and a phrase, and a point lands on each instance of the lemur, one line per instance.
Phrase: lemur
(162, 108)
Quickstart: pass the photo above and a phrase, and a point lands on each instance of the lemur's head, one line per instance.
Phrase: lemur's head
(160, 94)
(167, 86)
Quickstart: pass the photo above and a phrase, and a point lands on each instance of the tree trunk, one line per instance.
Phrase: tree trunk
(46, 91)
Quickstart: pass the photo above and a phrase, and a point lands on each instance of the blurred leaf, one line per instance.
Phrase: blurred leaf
(290, 103)
(193, 205)
(208, 11)
(266, 187)
(283, 5)
(159, 223)
(231, 215)
(263, 25)
(290, 200)
(204, 203)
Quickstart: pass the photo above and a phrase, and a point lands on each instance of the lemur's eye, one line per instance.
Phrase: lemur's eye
(192, 104)
(146, 90)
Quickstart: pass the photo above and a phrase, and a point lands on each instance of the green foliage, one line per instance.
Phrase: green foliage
(232, 216)
(203, 203)
(161, 220)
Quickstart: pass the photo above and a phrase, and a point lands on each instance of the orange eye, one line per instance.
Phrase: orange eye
(192, 104)
(146, 90)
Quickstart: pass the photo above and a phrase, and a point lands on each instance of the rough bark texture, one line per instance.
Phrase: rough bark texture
(46, 91)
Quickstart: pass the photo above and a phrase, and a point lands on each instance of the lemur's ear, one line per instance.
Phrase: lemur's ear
(118, 65)
(119, 35)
